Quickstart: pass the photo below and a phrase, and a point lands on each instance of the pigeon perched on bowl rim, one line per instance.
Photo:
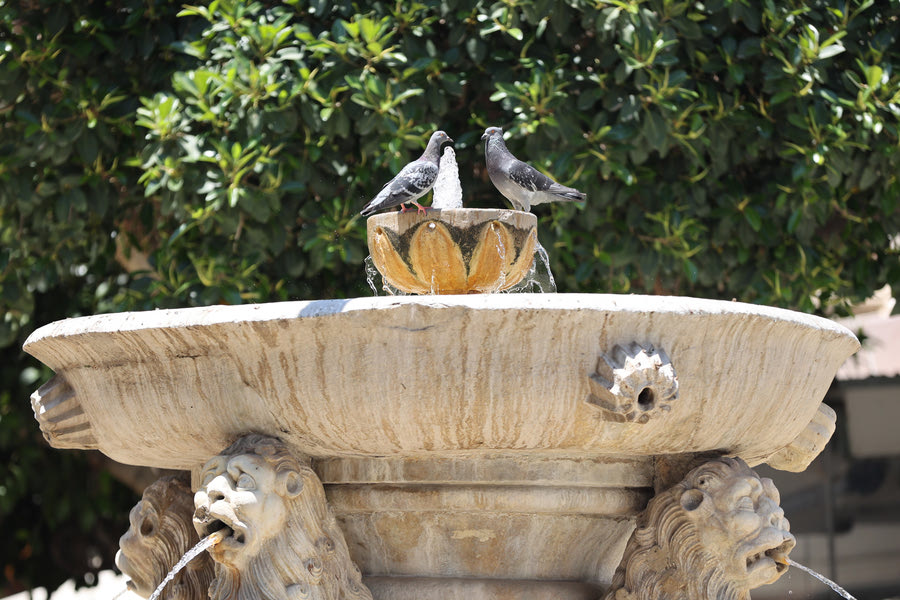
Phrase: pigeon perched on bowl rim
(519, 182)
(413, 181)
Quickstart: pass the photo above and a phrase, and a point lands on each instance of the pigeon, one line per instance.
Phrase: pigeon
(413, 181)
(522, 184)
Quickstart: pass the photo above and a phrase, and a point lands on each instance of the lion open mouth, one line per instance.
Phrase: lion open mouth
(228, 529)
(777, 554)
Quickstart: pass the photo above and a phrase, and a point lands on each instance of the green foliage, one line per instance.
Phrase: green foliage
(160, 155)
(71, 74)
(728, 150)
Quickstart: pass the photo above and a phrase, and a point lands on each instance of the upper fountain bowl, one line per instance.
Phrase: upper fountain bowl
(453, 251)
(535, 374)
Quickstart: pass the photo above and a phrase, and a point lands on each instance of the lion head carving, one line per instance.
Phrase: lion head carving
(283, 542)
(161, 532)
(716, 535)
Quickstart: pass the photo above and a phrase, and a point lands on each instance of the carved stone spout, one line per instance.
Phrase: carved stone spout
(714, 536)
(284, 543)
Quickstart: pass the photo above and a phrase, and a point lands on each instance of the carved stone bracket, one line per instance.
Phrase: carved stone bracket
(61, 417)
(633, 383)
(717, 534)
(797, 455)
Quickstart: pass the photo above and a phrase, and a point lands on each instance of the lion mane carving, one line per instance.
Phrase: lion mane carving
(716, 535)
(284, 543)
(161, 532)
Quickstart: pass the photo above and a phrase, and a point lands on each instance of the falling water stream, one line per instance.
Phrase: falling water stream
(539, 278)
(501, 251)
(120, 594)
(207, 542)
(372, 276)
(844, 593)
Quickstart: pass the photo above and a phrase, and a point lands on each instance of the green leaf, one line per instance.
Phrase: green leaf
(691, 270)
(794, 220)
(874, 74)
(829, 51)
(752, 216)
(655, 130)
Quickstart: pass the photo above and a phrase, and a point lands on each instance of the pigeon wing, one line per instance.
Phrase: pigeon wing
(544, 188)
(412, 182)
(529, 178)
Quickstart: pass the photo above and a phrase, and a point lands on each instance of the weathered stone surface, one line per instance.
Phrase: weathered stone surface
(451, 434)
(283, 541)
(797, 455)
(495, 517)
(714, 536)
(633, 383)
(61, 416)
(423, 588)
(456, 375)
(161, 531)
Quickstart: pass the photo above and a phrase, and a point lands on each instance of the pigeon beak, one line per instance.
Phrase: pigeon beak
(484, 135)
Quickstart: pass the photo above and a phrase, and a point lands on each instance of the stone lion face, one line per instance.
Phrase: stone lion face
(137, 546)
(740, 520)
(244, 494)
(159, 534)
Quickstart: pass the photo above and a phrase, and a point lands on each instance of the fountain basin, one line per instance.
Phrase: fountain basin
(482, 446)
(411, 376)
(453, 251)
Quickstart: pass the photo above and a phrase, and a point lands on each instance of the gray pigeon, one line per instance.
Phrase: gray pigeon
(522, 184)
(413, 181)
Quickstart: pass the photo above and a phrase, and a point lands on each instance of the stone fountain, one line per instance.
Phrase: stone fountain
(477, 446)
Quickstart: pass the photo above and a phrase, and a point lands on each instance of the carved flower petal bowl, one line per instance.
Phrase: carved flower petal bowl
(453, 251)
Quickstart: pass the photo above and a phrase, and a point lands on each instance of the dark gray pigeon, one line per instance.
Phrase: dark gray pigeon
(413, 181)
(522, 184)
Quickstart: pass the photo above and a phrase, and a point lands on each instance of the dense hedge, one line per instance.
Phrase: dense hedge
(728, 149)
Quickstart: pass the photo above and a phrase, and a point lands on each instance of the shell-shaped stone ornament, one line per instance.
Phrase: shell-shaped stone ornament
(453, 251)
(633, 383)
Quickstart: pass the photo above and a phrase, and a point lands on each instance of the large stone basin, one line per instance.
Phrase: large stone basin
(492, 446)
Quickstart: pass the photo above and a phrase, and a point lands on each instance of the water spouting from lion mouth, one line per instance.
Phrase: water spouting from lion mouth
(844, 593)
(120, 594)
(207, 542)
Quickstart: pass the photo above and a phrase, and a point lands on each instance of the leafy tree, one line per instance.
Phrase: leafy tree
(155, 155)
